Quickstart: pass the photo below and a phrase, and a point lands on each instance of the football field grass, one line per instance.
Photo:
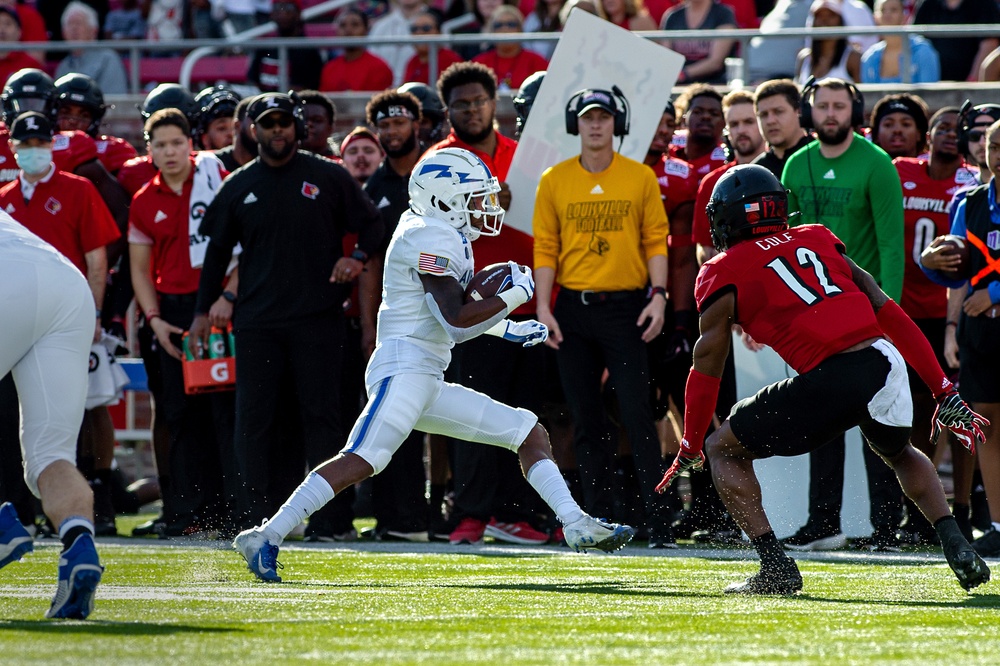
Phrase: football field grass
(195, 603)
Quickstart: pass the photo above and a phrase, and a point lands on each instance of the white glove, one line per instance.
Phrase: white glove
(523, 289)
(526, 333)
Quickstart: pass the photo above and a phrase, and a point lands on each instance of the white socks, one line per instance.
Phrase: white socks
(545, 478)
(311, 495)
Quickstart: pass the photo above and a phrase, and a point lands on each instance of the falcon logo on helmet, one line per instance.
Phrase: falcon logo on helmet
(455, 186)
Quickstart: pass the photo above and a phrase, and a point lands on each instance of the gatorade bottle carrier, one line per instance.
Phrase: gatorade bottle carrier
(215, 372)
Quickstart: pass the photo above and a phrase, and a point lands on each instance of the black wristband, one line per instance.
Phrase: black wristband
(662, 291)
(360, 255)
(229, 296)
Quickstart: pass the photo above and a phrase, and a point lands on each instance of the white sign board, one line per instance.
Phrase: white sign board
(591, 53)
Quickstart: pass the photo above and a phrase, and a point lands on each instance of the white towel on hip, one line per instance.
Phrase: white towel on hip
(892, 405)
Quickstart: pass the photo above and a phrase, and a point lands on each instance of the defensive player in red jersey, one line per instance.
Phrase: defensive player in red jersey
(80, 107)
(795, 290)
(928, 186)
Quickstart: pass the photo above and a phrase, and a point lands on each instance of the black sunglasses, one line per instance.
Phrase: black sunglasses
(976, 135)
(281, 120)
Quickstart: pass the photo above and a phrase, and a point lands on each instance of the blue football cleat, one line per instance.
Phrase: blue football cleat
(15, 542)
(260, 554)
(79, 573)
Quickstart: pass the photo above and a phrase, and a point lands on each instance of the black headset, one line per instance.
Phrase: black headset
(805, 105)
(299, 115)
(621, 112)
(967, 116)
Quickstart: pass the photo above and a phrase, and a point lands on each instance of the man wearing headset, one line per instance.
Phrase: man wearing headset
(851, 187)
(600, 234)
(289, 210)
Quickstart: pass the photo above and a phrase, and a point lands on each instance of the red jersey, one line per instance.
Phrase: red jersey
(678, 182)
(512, 244)
(71, 149)
(512, 72)
(369, 72)
(8, 163)
(160, 217)
(420, 71)
(136, 172)
(114, 152)
(66, 211)
(794, 292)
(925, 216)
(700, 225)
(705, 164)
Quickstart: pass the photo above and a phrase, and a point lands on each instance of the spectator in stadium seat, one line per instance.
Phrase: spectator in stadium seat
(204, 24)
(128, 22)
(165, 22)
(357, 68)
(704, 60)
(52, 11)
(304, 65)
(428, 22)
(511, 63)
(835, 57)
(544, 18)
(240, 14)
(481, 10)
(396, 24)
(856, 14)
(628, 14)
(32, 26)
(79, 24)
(883, 62)
(960, 56)
(10, 33)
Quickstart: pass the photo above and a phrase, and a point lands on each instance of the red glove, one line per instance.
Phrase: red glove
(688, 458)
(952, 413)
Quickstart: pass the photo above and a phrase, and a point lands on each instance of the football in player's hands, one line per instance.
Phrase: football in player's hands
(957, 246)
(488, 282)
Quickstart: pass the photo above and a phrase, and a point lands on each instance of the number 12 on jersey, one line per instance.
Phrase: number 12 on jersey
(799, 287)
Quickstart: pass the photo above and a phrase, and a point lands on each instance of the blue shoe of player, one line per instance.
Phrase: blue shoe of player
(15, 542)
(79, 573)
(588, 533)
(260, 554)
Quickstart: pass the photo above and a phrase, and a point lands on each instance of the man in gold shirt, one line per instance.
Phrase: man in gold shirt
(601, 235)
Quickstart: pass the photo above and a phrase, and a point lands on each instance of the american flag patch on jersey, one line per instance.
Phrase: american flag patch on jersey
(431, 263)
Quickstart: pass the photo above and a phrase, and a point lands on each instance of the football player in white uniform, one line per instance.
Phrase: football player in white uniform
(47, 312)
(453, 200)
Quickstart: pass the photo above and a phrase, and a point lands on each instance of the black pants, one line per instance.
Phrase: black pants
(826, 487)
(596, 337)
(310, 352)
(488, 479)
(202, 470)
(13, 489)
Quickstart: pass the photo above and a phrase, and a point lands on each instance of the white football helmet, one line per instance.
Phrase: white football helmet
(455, 186)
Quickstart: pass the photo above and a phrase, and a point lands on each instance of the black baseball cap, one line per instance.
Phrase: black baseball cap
(270, 103)
(595, 99)
(31, 125)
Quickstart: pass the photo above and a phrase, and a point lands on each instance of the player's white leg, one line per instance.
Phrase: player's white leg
(466, 414)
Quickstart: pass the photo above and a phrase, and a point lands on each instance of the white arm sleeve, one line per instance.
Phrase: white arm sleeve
(463, 334)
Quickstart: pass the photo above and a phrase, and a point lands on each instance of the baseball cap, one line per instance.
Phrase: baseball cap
(31, 125)
(595, 99)
(270, 103)
(835, 6)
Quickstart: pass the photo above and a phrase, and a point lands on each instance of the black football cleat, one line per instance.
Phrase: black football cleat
(780, 580)
(969, 568)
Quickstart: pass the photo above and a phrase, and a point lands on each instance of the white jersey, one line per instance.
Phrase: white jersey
(409, 338)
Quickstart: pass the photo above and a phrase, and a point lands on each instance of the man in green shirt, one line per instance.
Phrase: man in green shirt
(851, 187)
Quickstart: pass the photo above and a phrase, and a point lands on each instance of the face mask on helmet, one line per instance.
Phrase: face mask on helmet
(455, 186)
